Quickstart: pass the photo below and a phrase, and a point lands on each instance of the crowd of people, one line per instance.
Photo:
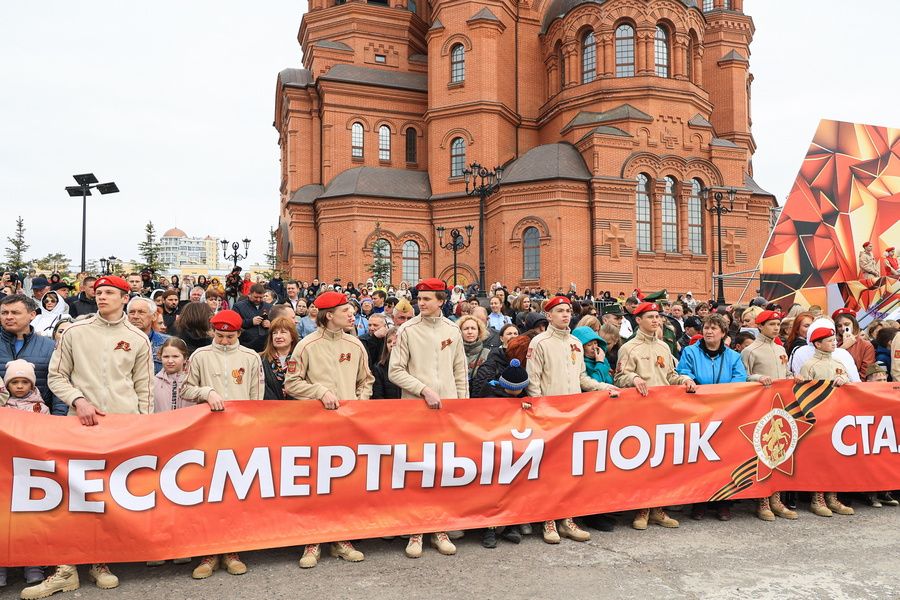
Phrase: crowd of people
(142, 344)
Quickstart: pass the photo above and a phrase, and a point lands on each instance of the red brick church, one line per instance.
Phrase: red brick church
(615, 122)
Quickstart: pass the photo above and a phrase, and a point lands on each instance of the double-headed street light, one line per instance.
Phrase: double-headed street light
(483, 184)
(455, 244)
(87, 182)
(720, 209)
(107, 265)
(235, 256)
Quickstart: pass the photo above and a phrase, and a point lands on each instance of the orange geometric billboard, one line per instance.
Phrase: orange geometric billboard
(846, 193)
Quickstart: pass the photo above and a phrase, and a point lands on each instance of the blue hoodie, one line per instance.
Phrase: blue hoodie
(724, 366)
(596, 370)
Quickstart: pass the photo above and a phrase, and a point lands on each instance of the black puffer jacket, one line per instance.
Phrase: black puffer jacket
(491, 369)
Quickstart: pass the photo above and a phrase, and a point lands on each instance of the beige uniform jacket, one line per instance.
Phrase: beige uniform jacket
(823, 366)
(868, 266)
(649, 358)
(429, 353)
(328, 361)
(234, 372)
(895, 358)
(765, 358)
(555, 365)
(108, 362)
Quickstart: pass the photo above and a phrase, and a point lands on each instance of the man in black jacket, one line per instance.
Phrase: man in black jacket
(255, 316)
(84, 303)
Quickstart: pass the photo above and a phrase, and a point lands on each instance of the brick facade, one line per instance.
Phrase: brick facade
(666, 98)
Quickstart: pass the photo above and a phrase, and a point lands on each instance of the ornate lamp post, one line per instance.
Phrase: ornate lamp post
(720, 209)
(483, 184)
(455, 244)
(107, 265)
(235, 256)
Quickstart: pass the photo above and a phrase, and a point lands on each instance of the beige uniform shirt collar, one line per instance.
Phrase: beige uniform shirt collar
(822, 355)
(101, 321)
(640, 335)
(557, 332)
(332, 335)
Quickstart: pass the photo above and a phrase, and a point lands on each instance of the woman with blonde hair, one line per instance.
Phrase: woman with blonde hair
(473, 336)
(590, 321)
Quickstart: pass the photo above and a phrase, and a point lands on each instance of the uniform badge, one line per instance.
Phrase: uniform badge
(529, 353)
(446, 343)
(291, 365)
(344, 357)
(896, 353)
(123, 345)
(238, 375)
(839, 371)
(660, 362)
(36, 407)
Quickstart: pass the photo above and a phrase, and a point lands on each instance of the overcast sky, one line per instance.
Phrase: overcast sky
(174, 101)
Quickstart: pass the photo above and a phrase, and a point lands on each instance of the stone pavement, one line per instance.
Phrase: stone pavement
(815, 558)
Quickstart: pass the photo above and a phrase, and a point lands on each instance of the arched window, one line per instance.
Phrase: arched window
(588, 57)
(356, 140)
(707, 5)
(411, 5)
(669, 217)
(457, 157)
(695, 219)
(625, 50)
(457, 63)
(382, 259)
(642, 207)
(410, 262)
(661, 51)
(691, 49)
(411, 153)
(384, 143)
(561, 61)
(531, 250)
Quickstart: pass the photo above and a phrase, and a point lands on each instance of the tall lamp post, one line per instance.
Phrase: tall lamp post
(483, 184)
(455, 244)
(235, 256)
(720, 209)
(87, 182)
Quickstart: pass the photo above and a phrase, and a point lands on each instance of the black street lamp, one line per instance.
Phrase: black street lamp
(455, 244)
(484, 183)
(235, 256)
(107, 265)
(87, 182)
(720, 209)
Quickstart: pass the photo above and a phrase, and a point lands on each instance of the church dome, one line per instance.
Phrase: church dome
(174, 233)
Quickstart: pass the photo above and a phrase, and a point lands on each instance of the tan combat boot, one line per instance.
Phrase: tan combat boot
(233, 564)
(311, 555)
(208, 564)
(764, 510)
(414, 546)
(779, 509)
(551, 535)
(64, 579)
(443, 544)
(817, 505)
(835, 505)
(641, 518)
(659, 517)
(346, 551)
(570, 530)
(102, 577)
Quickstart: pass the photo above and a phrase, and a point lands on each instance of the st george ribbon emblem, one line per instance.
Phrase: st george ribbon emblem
(775, 437)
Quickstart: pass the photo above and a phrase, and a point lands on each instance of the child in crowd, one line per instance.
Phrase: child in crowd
(595, 363)
(19, 386)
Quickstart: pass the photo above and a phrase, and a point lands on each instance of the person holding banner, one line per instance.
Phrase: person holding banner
(224, 370)
(102, 365)
(645, 361)
(429, 362)
(555, 365)
(330, 365)
(766, 361)
(822, 366)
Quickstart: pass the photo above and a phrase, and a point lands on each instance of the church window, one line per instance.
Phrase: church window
(669, 217)
(625, 50)
(457, 157)
(707, 5)
(384, 143)
(411, 5)
(588, 57)
(411, 150)
(695, 219)
(531, 250)
(356, 140)
(457, 63)
(642, 208)
(661, 51)
(411, 262)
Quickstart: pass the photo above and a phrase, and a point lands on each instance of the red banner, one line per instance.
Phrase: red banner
(265, 474)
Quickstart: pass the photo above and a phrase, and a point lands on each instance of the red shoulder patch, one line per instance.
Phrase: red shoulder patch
(291, 365)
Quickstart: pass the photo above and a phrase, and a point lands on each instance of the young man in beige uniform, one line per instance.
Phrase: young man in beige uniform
(766, 361)
(555, 365)
(330, 365)
(429, 362)
(822, 366)
(102, 365)
(224, 370)
(645, 361)
(868, 266)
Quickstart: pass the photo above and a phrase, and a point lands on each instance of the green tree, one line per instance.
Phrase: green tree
(15, 252)
(380, 267)
(55, 261)
(149, 250)
(271, 255)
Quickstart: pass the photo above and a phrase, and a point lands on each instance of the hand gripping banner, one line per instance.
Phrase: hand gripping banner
(265, 474)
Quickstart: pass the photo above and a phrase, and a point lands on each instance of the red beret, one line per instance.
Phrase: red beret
(226, 320)
(330, 300)
(768, 315)
(695, 339)
(843, 311)
(820, 333)
(867, 245)
(556, 301)
(113, 281)
(645, 307)
(891, 249)
(432, 284)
